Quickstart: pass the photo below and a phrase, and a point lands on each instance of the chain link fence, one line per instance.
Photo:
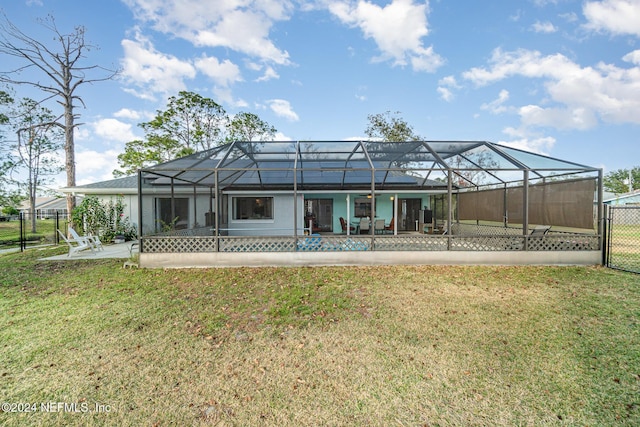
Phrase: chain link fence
(623, 248)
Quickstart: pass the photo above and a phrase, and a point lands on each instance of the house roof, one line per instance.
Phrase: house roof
(58, 203)
(358, 164)
(633, 196)
(124, 185)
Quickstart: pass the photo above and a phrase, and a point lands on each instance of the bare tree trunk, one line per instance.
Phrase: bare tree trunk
(32, 208)
(69, 151)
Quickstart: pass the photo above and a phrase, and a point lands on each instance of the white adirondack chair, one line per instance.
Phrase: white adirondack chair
(75, 246)
(93, 241)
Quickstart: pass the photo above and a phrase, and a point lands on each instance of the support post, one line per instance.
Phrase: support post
(449, 212)
(348, 215)
(525, 208)
(216, 216)
(395, 214)
(601, 213)
(140, 209)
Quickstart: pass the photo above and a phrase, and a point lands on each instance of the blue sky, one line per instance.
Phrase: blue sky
(558, 77)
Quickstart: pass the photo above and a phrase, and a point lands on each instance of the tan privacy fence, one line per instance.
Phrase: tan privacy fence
(563, 204)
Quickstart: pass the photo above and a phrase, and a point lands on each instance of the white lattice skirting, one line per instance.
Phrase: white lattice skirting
(201, 251)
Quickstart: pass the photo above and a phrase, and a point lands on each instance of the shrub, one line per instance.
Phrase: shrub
(105, 220)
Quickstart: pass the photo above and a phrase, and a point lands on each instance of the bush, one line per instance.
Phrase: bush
(105, 220)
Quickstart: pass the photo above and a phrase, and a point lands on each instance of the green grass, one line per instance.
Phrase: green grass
(10, 232)
(319, 346)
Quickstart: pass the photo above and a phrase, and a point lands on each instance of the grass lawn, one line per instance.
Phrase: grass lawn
(10, 232)
(379, 346)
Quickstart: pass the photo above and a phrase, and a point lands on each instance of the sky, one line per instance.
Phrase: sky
(556, 77)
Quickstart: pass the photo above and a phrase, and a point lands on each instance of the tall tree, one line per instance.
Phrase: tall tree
(195, 123)
(33, 155)
(190, 123)
(249, 127)
(389, 127)
(62, 66)
(622, 180)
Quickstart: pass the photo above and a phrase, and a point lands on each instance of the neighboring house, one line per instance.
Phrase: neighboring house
(624, 208)
(626, 199)
(106, 191)
(46, 207)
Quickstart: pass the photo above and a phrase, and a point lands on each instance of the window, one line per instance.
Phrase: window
(168, 219)
(253, 208)
(362, 208)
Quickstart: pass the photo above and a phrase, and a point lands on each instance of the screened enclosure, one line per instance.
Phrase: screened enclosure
(341, 197)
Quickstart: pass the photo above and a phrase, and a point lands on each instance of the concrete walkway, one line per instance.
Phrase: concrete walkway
(118, 250)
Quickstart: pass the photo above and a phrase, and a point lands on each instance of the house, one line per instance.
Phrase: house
(46, 207)
(363, 202)
(106, 191)
(623, 209)
(626, 199)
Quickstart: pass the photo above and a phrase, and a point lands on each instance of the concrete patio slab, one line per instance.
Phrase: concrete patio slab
(117, 251)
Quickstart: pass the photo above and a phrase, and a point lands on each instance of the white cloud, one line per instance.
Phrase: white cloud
(126, 113)
(445, 93)
(445, 86)
(544, 27)
(397, 29)
(524, 139)
(632, 57)
(522, 62)
(569, 16)
(559, 118)
(153, 71)
(240, 25)
(269, 74)
(113, 130)
(93, 166)
(224, 95)
(222, 73)
(283, 108)
(581, 95)
(497, 106)
(282, 137)
(614, 16)
(449, 81)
